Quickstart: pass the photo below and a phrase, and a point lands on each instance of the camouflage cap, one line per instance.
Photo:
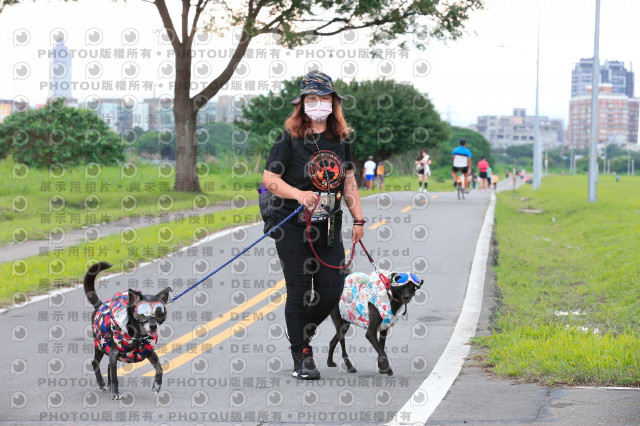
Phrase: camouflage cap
(317, 83)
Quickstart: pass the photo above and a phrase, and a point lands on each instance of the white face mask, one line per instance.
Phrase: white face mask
(318, 111)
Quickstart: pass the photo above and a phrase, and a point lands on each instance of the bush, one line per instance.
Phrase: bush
(59, 134)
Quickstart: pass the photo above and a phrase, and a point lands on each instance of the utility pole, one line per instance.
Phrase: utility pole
(595, 88)
(572, 162)
(546, 160)
(537, 148)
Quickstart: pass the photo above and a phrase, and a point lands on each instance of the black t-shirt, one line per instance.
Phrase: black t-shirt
(304, 166)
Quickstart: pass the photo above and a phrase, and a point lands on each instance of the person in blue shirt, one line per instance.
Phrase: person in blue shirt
(461, 158)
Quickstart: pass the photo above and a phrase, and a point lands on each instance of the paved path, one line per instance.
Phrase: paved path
(239, 370)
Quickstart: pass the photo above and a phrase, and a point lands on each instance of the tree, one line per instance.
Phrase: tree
(388, 118)
(518, 151)
(59, 134)
(294, 23)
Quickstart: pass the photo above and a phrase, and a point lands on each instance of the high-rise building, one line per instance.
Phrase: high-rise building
(519, 129)
(618, 76)
(617, 121)
(613, 72)
(60, 71)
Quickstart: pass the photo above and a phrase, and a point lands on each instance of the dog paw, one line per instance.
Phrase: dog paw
(155, 389)
(387, 371)
(116, 396)
(352, 370)
(104, 388)
(331, 364)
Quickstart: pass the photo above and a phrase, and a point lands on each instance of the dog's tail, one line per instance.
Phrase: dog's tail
(90, 280)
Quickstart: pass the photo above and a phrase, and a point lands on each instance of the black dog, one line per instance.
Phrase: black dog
(125, 329)
(366, 301)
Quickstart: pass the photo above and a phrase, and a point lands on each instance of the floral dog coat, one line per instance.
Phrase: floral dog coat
(111, 321)
(361, 289)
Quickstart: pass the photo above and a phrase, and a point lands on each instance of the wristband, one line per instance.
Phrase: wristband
(358, 224)
(359, 221)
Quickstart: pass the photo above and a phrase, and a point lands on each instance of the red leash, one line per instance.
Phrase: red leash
(307, 217)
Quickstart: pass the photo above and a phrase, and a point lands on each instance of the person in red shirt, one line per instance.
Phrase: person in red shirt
(483, 165)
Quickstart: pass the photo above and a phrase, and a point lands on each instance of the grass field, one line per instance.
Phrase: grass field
(569, 283)
(33, 201)
(63, 268)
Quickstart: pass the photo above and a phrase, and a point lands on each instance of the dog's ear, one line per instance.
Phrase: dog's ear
(134, 297)
(392, 276)
(163, 296)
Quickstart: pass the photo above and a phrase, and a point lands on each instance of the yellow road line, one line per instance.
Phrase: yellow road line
(218, 338)
(406, 209)
(182, 340)
(379, 224)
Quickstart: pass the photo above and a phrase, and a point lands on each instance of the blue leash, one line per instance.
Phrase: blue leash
(239, 254)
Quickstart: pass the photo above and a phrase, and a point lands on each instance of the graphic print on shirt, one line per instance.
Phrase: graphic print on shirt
(326, 170)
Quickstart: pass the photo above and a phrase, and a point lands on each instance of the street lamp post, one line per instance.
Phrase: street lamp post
(537, 147)
(595, 88)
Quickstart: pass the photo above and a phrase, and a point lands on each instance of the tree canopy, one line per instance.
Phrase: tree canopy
(388, 117)
(57, 133)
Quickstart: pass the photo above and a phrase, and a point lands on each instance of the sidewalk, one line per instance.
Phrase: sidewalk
(11, 252)
(477, 396)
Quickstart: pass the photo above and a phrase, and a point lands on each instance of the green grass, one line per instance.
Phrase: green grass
(569, 283)
(40, 274)
(153, 195)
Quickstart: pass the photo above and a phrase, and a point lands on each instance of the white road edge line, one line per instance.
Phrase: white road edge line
(211, 237)
(437, 384)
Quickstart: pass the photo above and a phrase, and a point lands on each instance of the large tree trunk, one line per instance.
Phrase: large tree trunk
(184, 113)
(186, 149)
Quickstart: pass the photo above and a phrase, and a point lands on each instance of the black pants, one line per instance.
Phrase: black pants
(304, 313)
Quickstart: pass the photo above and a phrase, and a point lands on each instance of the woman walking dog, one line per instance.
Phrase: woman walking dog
(311, 159)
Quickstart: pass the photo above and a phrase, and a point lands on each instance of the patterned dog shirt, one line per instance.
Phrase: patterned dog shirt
(361, 289)
(111, 320)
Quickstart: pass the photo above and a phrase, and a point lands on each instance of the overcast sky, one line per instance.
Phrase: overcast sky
(490, 70)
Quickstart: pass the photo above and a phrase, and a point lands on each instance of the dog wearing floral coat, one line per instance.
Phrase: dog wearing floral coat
(124, 329)
(361, 289)
(372, 302)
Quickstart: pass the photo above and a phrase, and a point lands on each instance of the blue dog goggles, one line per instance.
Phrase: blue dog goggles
(404, 278)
